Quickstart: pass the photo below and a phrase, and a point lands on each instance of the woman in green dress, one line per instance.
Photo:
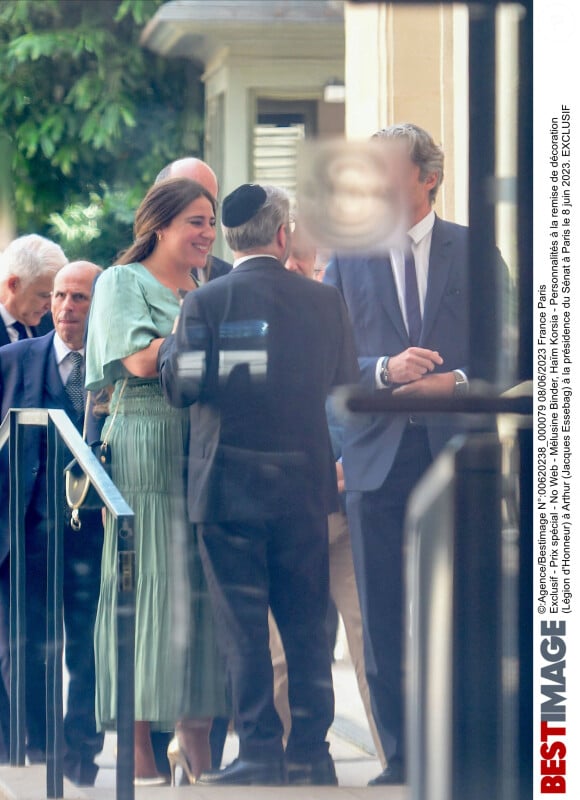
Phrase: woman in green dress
(178, 674)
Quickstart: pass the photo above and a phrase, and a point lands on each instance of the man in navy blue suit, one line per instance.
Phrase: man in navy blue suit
(47, 372)
(27, 269)
(409, 314)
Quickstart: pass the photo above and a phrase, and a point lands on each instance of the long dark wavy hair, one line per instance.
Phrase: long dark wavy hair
(162, 203)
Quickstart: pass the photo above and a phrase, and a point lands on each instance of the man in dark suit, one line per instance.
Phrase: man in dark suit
(47, 372)
(249, 360)
(27, 269)
(409, 314)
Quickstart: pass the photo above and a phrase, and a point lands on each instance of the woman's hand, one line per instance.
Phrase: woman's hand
(340, 477)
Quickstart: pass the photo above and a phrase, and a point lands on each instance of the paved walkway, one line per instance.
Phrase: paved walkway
(26, 783)
(350, 744)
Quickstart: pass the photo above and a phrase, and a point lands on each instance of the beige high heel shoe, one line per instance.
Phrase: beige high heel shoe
(177, 758)
(156, 780)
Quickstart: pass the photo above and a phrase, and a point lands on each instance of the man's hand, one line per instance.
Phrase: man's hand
(412, 364)
(440, 385)
(340, 477)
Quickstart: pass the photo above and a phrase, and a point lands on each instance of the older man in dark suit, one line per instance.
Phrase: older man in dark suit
(249, 359)
(47, 372)
(409, 314)
(27, 270)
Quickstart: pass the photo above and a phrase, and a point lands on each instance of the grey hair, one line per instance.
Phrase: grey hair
(423, 151)
(261, 229)
(29, 257)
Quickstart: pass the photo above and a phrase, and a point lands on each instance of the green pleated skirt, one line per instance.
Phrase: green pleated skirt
(178, 670)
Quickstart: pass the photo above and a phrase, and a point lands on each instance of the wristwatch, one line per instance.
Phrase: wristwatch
(384, 373)
(461, 383)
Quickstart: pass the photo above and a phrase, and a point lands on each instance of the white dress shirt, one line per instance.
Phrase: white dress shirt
(61, 352)
(420, 235)
(9, 320)
(241, 260)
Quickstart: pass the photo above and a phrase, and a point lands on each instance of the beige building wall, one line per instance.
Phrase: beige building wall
(407, 63)
(242, 81)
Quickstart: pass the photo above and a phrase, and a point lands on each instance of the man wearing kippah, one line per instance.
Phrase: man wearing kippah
(248, 359)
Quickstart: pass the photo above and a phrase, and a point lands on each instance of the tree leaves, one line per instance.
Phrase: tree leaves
(90, 114)
(103, 226)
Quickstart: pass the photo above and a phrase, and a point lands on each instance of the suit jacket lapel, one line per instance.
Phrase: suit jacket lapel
(382, 286)
(54, 387)
(56, 395)
(33, 370)
(4, 338)
(439, 267)
(42, 381)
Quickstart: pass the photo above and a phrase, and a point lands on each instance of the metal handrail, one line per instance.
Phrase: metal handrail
(62, 433)
(383, 402)
(517, 400)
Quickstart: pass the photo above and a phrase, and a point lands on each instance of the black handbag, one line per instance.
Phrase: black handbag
(79, 491)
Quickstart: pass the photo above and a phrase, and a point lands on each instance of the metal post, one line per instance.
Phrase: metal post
(483, 272)
(54, 613)
(525, 209)
(525, 743)
(525, 234)
(125, 659)
(60, 433)
(476, 679)
(18, 599)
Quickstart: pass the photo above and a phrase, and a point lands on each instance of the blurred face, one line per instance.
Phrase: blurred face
(186, 242)
(302, 259)
(322, 259)
(405, 178)
(71, 301)
(29, 303)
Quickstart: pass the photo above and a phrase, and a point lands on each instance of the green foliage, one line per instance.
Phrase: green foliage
(102, 228)
(91, 116)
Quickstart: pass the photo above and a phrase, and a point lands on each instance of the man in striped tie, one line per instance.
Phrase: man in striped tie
(27, 270)
(48, 372)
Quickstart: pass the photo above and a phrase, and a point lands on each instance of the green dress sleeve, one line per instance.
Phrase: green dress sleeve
(121, 322)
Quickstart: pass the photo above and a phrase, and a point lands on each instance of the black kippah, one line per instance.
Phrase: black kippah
(241, 205)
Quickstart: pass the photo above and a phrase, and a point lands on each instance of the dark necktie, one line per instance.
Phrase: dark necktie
(20, 330)
(412, 305)
(75, 382)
